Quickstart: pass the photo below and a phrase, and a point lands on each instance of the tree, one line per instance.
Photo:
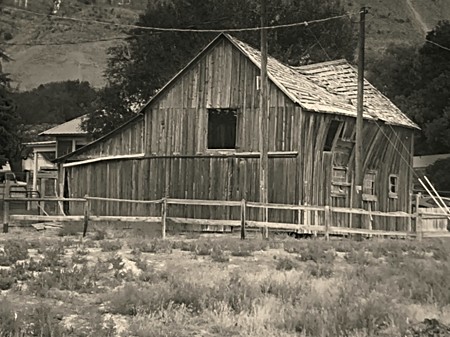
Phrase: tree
(10, 141)
(58, 102)
(418, 81)
(142, 65)
(439, 174)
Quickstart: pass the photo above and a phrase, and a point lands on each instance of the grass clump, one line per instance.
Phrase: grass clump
(14, 251)
(286, 263)
(219, 256)
(110, 246)
(74, 278)
(152, 246)
(7, 279)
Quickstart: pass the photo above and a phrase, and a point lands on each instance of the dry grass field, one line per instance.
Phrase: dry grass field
(125, 283)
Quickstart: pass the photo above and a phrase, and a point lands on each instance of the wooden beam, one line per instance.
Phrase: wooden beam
(51, 199)
(6, 215)
(243, 218)
(163, 218)
(359, 174)
(45, 218)
(263, 118)
(198, 202)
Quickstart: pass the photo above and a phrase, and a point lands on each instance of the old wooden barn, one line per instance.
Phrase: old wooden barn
(198, 139)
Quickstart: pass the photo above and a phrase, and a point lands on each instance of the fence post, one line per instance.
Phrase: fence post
(243, 218)
(6, 206)
(87, 211)
(163, 217)
(419, 229)
(327, 222)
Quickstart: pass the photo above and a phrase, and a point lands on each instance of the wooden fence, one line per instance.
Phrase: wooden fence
(416, 220)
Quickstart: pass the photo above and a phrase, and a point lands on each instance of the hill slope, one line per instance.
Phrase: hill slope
(399, 21)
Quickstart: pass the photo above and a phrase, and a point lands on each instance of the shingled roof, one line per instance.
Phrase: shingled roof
(69, 128)
(328, 87)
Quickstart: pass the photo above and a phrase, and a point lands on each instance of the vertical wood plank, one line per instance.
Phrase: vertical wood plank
(87, 211)
(6, 206)
(163, 217)
(243, 218)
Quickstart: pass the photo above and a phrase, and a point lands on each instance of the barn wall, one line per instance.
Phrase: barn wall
(216, 178)
(224, 78)
(128, 140)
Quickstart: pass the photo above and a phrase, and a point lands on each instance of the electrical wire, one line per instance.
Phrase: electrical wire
(181, 30)
(437, 44)
(318, 42)
(68, 42)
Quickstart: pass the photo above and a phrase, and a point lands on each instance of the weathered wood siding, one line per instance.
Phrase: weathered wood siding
(177, 121)
(217, 178)
(128, 140)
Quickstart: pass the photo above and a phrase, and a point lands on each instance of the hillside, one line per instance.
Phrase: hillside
(400, 21)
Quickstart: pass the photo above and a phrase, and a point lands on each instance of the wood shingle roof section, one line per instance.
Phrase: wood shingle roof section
(328, 87)
(340, 78)
(69, 128)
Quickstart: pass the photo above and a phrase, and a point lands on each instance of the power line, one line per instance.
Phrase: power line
(181, 30)
(437, 44)
(68, 42)
(318, 42)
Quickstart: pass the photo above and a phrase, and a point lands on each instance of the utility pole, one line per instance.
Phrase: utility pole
(263, 116)
(359, 174)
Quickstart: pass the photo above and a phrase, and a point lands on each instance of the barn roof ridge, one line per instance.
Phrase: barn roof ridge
(308, 92)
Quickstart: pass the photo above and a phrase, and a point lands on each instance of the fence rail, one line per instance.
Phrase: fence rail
(243, 223)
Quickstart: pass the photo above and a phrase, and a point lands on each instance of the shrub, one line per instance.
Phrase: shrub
(126, 301)
(116, 262)
(53, 255)
(152, 246)
(317, 251)
(16, 251)
(77, 259)
(424, 281)
(73, 278)
(203, 248)
(318, 270)
(349, 310)
(98, 235)
(242, 250)
(110, 246)
(286, 264)
(7, 279)
(219, 256)
(9, 325)
(4, 260)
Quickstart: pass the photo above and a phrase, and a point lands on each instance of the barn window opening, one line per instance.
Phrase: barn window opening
(222, 128)
(339, 181)
(369, 183)
(393, 186)
(331, 135)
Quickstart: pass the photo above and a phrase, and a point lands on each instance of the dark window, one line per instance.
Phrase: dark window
(63, 147)
(393, 185)
(334, 126)
(222, 128)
